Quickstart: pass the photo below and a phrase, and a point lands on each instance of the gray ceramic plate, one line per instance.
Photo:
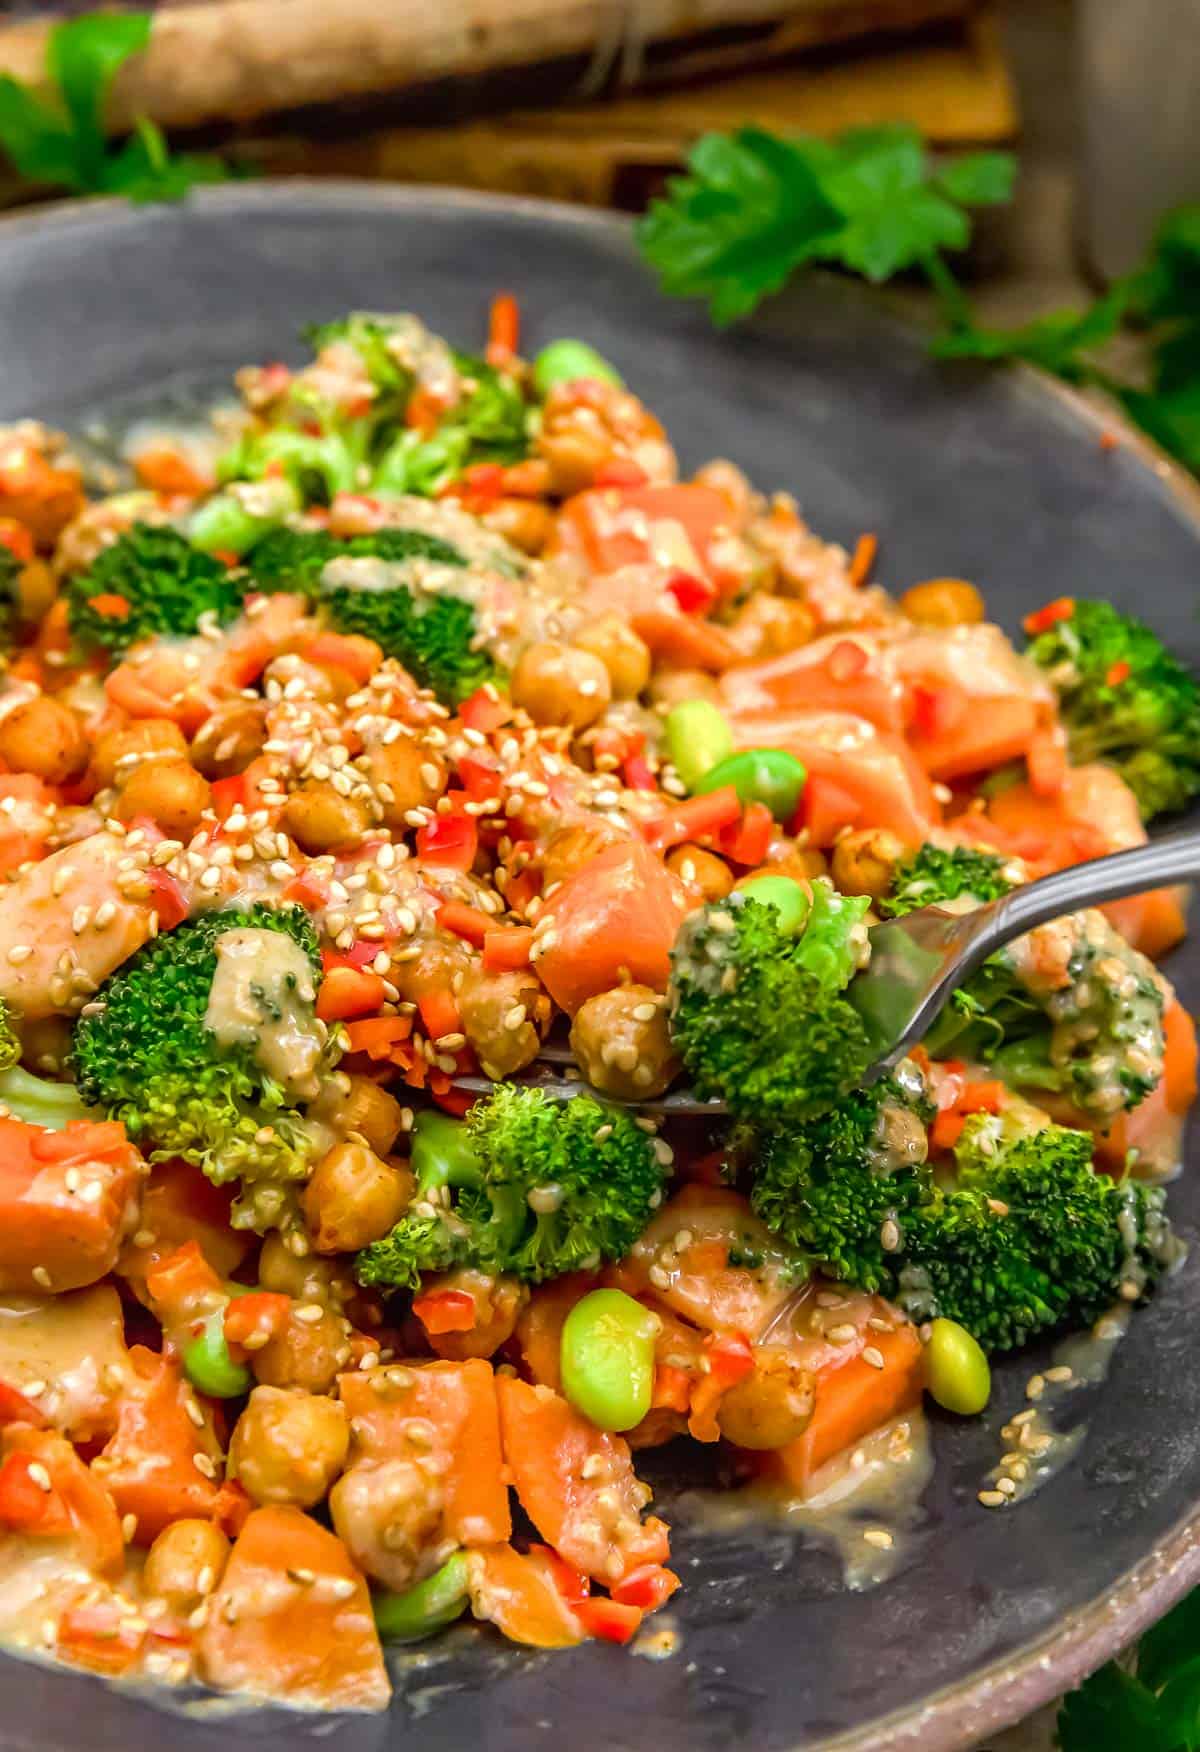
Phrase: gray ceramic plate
(998, 478)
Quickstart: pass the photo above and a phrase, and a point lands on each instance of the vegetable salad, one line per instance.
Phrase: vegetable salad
(415, 720)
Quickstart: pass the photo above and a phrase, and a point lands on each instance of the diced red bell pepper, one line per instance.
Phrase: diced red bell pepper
(448, 840)
(694, 595)
(647, 1587)
(637, 775)
(621, 471)
(16, 1408)
(697, 818)
(747, 841)
(1042, 619)
(937, 711)
(571, 1583)
(445, 1311)
(485, 710)
(1118, 673)
(608, 1620)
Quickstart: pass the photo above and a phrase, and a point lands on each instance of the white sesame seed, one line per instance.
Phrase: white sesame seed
(879, 1537)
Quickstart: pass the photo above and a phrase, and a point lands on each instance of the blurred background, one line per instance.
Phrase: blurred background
(597, 101)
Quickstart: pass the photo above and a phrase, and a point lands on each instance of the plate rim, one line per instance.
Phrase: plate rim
(1003, 1692)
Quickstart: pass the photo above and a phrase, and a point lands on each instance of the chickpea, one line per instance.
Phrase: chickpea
(557, 685)
(770, 1407)
(353, 1198)
(944, 602)
(320, 819)
(441, 964)
(623, 654)
(365, 1109)
(230, 739)
(288, 1447)
(623, 1044)
(865, 860)
(770, 625)
(41, 736)
(572, 847)
(185, 1563)
(170, 792)
(503, 1017)
(388, 1513)
(801, 863)
(703, 872)
(574, 454)
(669, 686)
(308, 1353)
(324, 683)
(404, 776)
(306, 1279)
(117, 752)
(498, 1302)
(526, 523)
(37, 588)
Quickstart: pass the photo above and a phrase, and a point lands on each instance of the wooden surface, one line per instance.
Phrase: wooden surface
(215, 61)
(954, 85)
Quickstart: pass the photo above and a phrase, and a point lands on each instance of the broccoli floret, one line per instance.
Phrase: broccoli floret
(531, 1186)
(1125, 700)
(842, 1187)
(1026, 1239)
(147, 1054)
(934, 875)
(36, 1100)
(166, 585)
(372, 337)
(363, 444)
(431, 630)
(755, 1013)
(1031, 1238)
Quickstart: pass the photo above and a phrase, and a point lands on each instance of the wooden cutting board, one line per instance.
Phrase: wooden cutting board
(954, 85)
(219, 61)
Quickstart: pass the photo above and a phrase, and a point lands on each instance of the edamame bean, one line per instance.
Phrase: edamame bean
(442, 1152)
(760, 775)
(564, 361)
(786, 896)
(209, 1366)
(698, 738)
(425, 1608)
(607, 1359)
(956, 1370)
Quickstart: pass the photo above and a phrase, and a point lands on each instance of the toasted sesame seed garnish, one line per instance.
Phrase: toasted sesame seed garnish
(128, 1528)
(204, 1466)
(1035, 1387)
(41, 1277)
(879, 1537)
(1060, 1372)
(39, 1475)
(20, 952)
(992, 1499)
(873, 1356)
(843, 1333)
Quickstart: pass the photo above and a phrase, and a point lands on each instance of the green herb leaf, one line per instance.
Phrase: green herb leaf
(1112, 1712)
(1058, 343)
(981, 179)
(1172, 418)
(749, 213)
(83, 57)
(66, 146)
(878, 179)
(1171, 1644)
(37, 140)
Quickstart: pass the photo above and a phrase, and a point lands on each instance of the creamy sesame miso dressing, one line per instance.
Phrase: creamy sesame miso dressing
(262, 997)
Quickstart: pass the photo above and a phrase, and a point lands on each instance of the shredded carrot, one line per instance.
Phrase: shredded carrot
(467, 922)
(507, 949)
(865, 550)
(504, 329)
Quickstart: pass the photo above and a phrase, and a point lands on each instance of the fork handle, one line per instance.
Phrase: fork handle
(1173, 859)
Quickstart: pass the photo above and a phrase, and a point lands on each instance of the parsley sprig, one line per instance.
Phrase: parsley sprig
(754, 209)
(1152, 1706)
(62, 144)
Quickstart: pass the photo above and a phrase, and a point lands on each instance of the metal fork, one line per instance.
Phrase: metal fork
(917, 961)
